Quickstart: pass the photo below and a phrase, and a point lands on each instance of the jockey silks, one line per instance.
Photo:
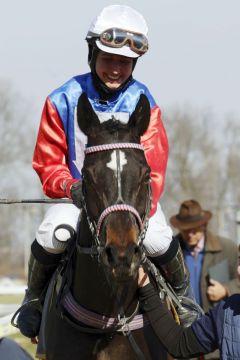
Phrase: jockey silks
(59, 152)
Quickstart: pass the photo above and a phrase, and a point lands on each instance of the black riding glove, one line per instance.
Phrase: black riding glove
(76, 194)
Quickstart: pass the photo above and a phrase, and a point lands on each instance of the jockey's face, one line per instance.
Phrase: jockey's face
(193, 236)
(113, 69)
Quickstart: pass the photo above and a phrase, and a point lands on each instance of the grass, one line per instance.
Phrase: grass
(11, 299)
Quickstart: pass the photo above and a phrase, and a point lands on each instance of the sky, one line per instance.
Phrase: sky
(193, 59)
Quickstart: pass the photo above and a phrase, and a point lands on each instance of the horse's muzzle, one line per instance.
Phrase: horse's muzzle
(121, 262)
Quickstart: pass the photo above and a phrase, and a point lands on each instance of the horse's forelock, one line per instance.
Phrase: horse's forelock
(114, 124)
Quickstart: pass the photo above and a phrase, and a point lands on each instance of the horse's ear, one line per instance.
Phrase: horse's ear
(86, 117)
(140, 118)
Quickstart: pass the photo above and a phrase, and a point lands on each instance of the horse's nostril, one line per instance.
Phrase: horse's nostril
(137, 250)
(110, 254)
(125, 257)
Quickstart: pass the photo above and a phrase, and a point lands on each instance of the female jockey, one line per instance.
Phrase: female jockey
(116, 39)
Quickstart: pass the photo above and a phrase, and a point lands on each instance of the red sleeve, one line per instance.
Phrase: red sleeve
(50, 154)
(155, 144)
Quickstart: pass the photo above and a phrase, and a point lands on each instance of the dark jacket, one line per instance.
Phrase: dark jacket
(217, 249)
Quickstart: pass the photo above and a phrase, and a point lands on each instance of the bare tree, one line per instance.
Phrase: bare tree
(232, 144)
(16, 130)
(204, 161)
(17, 177)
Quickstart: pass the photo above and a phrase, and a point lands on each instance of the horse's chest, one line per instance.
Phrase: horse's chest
(119, 348)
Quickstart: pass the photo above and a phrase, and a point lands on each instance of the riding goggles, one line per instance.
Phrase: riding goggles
(117, 38)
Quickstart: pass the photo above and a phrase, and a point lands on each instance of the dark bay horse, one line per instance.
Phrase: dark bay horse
(91, 308)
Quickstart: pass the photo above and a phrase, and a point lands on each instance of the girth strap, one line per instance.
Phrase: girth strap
(99, 321)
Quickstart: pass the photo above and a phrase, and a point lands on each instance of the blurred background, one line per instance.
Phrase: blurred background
(192, 70)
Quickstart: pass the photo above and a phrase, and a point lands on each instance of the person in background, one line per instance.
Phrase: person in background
(219, 328)
(116, 39)
(238, 268)
(212, 260)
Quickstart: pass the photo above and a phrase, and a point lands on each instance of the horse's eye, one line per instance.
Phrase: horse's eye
(86, 175)
(147, 178)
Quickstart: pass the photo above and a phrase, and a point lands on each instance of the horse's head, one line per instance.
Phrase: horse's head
(116, 186)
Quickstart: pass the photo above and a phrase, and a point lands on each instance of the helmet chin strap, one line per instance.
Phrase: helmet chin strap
(104, 91)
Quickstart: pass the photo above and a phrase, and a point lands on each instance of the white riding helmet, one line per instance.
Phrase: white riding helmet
(128, 31)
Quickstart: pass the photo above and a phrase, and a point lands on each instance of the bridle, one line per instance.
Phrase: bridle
(97, 226)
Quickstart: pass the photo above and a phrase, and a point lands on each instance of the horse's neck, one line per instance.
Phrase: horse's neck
(126, 297)
(92, 289)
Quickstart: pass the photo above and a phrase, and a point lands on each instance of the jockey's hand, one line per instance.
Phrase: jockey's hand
(143, 278)
(76, 194)
(216, 291)
(34, 340)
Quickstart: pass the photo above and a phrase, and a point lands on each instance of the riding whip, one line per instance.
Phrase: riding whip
(35, 201)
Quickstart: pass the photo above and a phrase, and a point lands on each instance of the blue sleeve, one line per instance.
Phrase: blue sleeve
(209, 327)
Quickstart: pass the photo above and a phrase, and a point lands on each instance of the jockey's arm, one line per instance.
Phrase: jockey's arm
(155, 144)
(51, 154)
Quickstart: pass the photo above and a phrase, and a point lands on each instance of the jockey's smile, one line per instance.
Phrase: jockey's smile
(113, 69)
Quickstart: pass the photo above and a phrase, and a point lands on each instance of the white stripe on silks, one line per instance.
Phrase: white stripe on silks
(80, 141)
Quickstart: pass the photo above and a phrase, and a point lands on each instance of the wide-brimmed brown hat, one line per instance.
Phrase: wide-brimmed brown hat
(190, 216)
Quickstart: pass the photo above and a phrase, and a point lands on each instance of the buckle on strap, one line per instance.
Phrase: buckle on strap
(100, 321)
(124, 326)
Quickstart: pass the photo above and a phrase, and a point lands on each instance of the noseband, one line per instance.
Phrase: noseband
(95, 228)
